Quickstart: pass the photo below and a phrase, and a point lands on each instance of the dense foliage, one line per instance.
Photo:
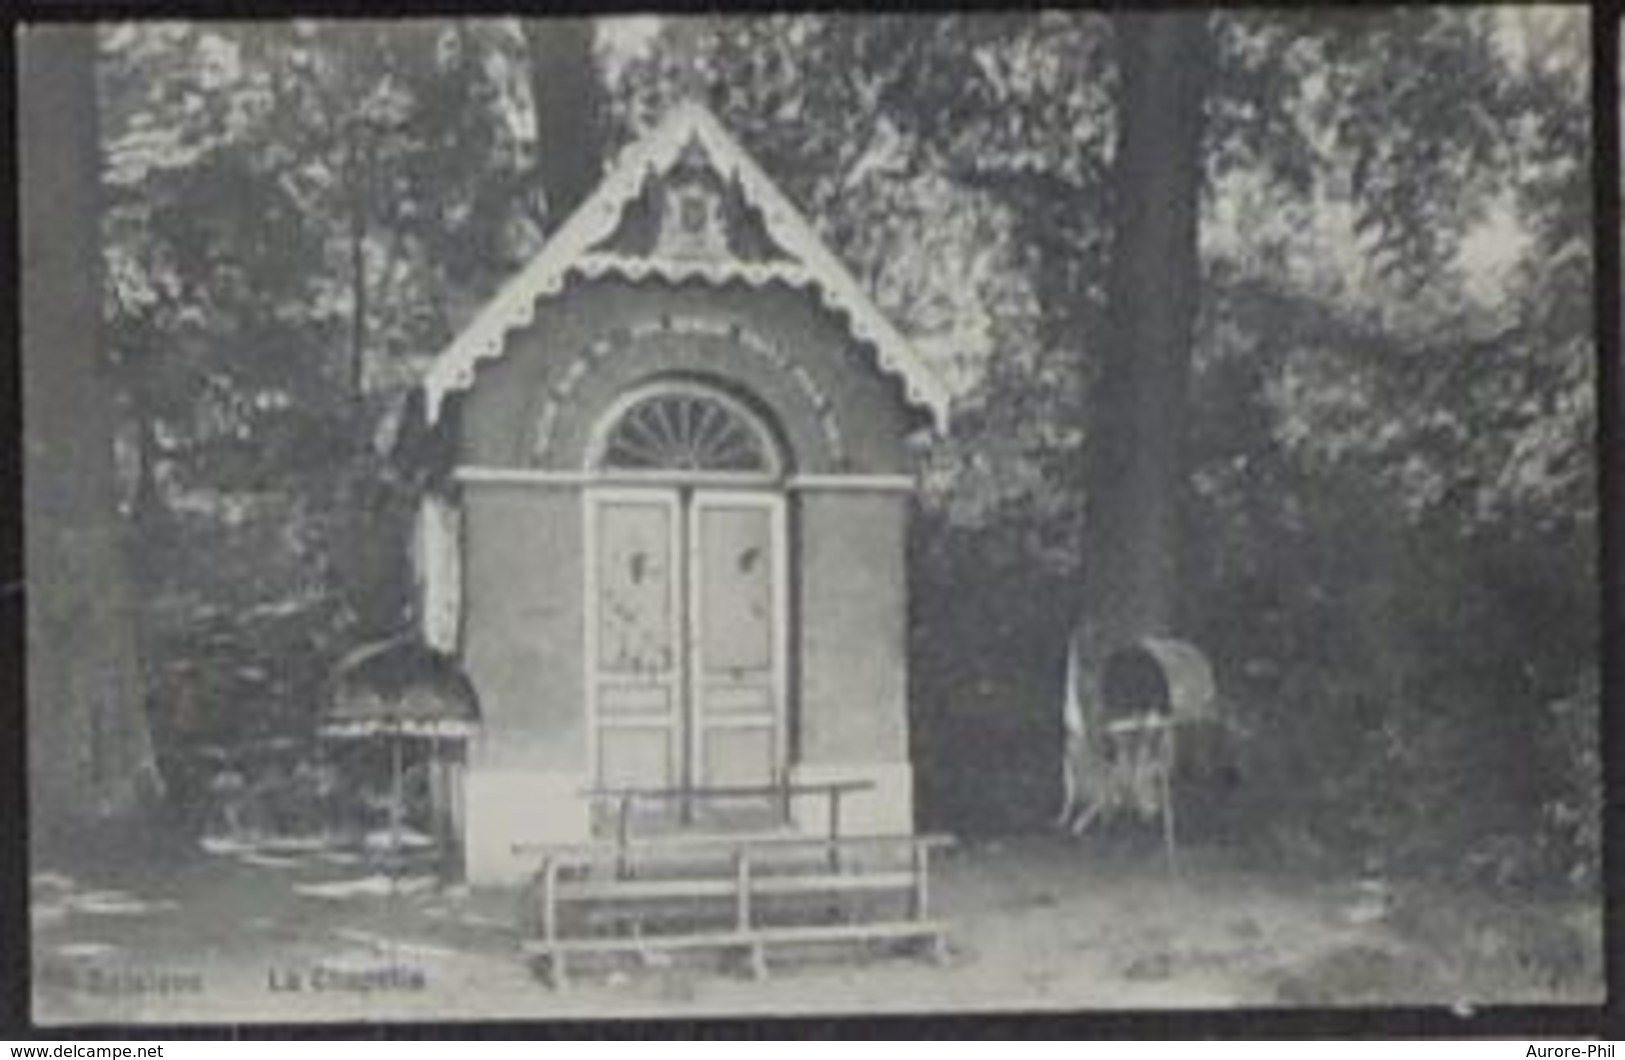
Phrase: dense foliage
(297, 215)
(1390, 528)
(1390, 520)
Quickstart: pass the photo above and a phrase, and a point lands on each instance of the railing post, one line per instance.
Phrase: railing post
(623, 834)
(921, 860)
(1167, 770)
(743, 923)
(835, 792)
(549, 874)
(550, 923)
(921, 866)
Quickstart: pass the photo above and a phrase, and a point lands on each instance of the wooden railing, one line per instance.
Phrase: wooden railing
(729, 894)
(625, 800)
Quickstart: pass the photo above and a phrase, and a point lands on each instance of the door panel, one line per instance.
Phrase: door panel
(736, 545)
(636, 617)
(630, 757)
(724, 700)
(735, 585)
(636, 643)
(687, 640)
(739, 756)
(635, 701)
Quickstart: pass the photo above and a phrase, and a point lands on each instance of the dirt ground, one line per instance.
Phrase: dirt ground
(296, 931)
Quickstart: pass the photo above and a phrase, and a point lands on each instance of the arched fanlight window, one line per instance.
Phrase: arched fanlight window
(683, 427)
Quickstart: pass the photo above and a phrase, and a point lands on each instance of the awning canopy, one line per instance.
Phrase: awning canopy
(400, 687)
(1157, 675)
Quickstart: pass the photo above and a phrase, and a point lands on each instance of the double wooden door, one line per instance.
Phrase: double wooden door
(687, 616)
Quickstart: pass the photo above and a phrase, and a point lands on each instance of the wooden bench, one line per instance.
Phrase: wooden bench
(728, 894)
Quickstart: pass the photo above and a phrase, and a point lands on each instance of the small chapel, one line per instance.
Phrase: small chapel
(671, 555)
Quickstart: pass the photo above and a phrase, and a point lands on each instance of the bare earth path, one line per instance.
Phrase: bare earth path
(1038, 923)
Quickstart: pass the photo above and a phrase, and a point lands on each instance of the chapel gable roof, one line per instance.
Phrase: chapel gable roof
(625, 228)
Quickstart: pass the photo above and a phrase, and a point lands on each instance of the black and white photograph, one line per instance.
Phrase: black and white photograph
(758, 514)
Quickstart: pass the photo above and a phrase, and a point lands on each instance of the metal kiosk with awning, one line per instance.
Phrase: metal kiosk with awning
(400, 690)
(1147, 690)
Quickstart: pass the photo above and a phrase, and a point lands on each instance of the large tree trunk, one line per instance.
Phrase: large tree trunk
(568, 101)
(1136, 468)
(90, 753)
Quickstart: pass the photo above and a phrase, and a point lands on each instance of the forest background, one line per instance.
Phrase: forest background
(1386, 508)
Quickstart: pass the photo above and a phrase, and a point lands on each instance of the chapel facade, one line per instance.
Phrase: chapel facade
(673, 557)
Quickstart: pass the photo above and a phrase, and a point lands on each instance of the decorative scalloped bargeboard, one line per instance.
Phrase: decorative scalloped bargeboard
(576, 250)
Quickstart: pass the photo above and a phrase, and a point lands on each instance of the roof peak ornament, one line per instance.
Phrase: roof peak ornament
(692, 240)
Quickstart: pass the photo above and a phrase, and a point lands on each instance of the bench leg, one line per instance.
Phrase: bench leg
(548, 966)
(1081, 823)
(756, 958)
